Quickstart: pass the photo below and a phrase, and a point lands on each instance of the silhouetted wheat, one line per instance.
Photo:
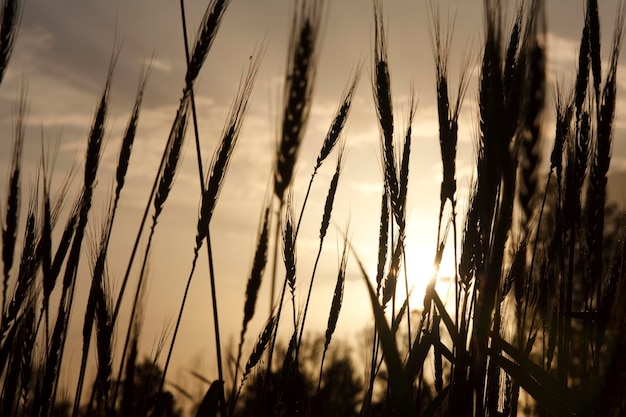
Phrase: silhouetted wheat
(335, 308)
(252, 288)
(539, 283)
(328, 208)
(301, 69)
(216, 175)
(334, 133)
(11, 216)
(11, 15)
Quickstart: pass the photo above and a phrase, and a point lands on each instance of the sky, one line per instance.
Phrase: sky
(62, 53)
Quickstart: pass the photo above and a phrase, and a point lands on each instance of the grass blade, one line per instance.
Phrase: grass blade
(209, 405)
(401, 393)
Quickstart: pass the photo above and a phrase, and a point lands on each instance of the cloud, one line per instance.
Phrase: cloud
(162, 65)
(562, 55)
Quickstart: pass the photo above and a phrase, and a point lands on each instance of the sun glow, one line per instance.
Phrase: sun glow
(415, 272)
(420, 269)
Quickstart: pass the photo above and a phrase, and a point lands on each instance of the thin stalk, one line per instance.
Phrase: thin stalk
(408, 305)
(92, 162)
(457, 294)
(124, 157)
(88, 325)
(208, 237)
(218, 344)
(133, 312)
(370, 388)
(179, 319)
(275, 263)
(328, 208)
(308, 298)
(132, 258)
(306, 198)
(282, 296)
(270, 354)
(139, 233)
(393, 297)
(157, 180)
(533, 256)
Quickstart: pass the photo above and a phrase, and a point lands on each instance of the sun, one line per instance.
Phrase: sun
(420, 268)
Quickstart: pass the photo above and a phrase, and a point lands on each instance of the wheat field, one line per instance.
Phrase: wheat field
(335, 238)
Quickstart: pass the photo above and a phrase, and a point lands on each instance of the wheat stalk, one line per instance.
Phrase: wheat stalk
(335, 308)
(333, 135)
(11, 216)
(98, 273)
(29, 335)
(253, 285)
(584, 62)
(120, 174)
(594, 50)
(328, 208)
(129, 135)
(27, 268)
(383, 238)
(289, 255)
(92, 162)
(531, 136)
(299, 82)
(11, 16)
(223, 153)
(11, 386)
(596, 192)
(260, 346)
(389, 285)
(173, 156)
(210, 194)
(384, 109)
(204, 39)
(297, 99)
(104, 343)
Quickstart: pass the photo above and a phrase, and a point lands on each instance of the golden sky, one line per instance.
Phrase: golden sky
(63, 50)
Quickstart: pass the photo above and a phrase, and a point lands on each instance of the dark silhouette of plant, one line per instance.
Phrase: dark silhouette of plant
(294, 391)
(142, 397)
